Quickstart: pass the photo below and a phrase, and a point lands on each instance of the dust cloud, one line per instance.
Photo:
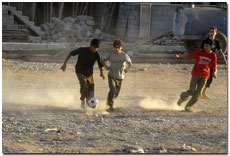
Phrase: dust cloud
(68, 98)
(27, 91)
(161, 103)
(51, 97)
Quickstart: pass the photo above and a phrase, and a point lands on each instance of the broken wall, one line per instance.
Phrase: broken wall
(116, 18)
(127, 26)
(128, 23)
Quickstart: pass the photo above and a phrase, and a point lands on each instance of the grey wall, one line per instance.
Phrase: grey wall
(127, 27)
(99, 12)
(128, 23)
(162, 18)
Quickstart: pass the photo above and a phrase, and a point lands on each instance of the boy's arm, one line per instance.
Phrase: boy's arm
(222, 54)
(100, 65)
(63, 67)
(181, 56)
(106, 66)
(101, 73)
(129, 65)
(105, 61)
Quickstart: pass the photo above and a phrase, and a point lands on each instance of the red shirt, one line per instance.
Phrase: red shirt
(203, 63)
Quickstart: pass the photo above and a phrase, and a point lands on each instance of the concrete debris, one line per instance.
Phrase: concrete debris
(188, 148)
(130, 149)
(72, 30)
(137, 151)
(143, 69)
(52, 130)
(159, 120)
(163, 151)
(168, 39)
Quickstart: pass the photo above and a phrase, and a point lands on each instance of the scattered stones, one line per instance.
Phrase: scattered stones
(130, 149)
(188, 148)
(168, 39)
(145, 129)
(137, 151)
(143, 69)
(159, 120)
(52, 130)
(163, 150)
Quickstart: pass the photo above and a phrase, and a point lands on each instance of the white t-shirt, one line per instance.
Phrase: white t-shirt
(117, 64)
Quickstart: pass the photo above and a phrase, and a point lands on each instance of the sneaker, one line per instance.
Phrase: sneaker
(188, 109)
(179, 102)
(111, 109)
(83, 104)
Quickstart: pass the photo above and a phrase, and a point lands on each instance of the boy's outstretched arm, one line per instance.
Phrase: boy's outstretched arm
(222, 54)
(63, 67)
(181, 56)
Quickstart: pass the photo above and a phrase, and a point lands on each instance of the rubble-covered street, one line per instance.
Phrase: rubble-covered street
(41, 112)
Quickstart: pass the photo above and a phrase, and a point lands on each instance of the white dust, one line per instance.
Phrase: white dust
(159, 103)
(51, 97)
(68, 98)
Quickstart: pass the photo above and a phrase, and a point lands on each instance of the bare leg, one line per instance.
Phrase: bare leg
(204, 95)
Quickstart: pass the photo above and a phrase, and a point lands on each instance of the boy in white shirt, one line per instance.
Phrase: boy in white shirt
(117, 70)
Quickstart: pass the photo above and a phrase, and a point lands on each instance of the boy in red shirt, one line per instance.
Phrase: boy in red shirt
(205, 59)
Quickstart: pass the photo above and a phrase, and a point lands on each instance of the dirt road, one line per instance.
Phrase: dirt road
(42, 114)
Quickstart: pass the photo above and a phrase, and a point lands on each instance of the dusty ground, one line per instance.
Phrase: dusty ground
(41, 112)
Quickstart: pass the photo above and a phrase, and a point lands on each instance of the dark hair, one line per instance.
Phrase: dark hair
(96, 43)
(117, 43)
(214, 28)
(208, 41)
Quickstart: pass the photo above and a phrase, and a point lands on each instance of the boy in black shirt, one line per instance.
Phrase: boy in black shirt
(216, 46)
(87, 56)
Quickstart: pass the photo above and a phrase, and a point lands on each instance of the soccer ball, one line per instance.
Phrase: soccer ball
(93, 102)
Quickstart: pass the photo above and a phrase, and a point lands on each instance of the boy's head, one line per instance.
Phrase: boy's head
(208, 43)
(212, 32)
(117, 44)
(94, 45)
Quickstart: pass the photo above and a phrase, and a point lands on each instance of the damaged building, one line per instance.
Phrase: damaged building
(82, 21)
(148, 29)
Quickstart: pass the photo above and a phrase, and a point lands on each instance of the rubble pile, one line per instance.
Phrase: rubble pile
(168, 39)
(72, 30)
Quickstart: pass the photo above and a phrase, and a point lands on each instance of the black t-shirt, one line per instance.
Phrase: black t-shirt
(216, 45)
(86, 60)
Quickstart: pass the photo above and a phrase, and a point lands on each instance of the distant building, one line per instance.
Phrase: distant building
(129, 21)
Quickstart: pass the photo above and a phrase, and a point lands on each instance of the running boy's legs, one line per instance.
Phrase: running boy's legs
(86, 86)
(200, 82)
(118, 88)
(192, 88)
(209, 81)
(90, 82)
(114, 86)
